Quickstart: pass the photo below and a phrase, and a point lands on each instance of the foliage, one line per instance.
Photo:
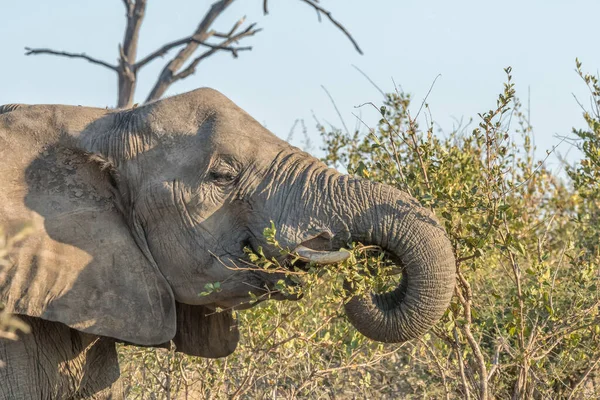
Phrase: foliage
(321, 349)
(524, 322)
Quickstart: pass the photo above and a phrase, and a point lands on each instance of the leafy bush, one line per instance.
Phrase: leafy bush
(524, 322)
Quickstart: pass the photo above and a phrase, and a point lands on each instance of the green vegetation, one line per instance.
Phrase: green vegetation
(525, 318)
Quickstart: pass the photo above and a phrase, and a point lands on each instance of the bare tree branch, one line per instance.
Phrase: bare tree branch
(320, 9)
(233, 50)
(128, 67)
(163, 50)
(232, 31)
(132, 31)
(191, 69)
(128, 6)
(128, 51)
(201, 34)
(30, 51)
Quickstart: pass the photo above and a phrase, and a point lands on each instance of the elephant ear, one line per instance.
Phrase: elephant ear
(76, 262)
(205, 333)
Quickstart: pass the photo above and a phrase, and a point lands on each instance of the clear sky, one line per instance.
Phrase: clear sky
(410, 41)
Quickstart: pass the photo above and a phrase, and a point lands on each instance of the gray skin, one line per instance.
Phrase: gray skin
(131, 213)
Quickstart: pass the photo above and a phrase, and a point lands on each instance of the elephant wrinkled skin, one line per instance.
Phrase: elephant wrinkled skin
(132, 212)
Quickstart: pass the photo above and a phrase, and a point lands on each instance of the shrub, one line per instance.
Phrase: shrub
(524, 322)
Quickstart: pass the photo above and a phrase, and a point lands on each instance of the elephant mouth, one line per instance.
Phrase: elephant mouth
(284, 282)
(298, 262)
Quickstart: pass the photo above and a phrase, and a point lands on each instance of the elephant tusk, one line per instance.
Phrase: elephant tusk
(322, 257)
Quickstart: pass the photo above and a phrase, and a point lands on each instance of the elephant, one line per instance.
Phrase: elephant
(130, 213)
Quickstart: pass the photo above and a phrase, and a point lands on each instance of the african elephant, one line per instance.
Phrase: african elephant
(132, 212)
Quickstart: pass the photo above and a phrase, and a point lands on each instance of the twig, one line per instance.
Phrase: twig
(164, 49)
(233, 50)
(463, 259)
(242, 387)
(465, 300)
(393, 156)
(361, 365)
(496, 360)
(461, 365)
(412, 134)
(336, 109)
(439, 366)
(191, 69)
(548, 153)
(232, 30)
(584, 377)
(333, 21)
(369, 79)
(29, 52)
(427, 95)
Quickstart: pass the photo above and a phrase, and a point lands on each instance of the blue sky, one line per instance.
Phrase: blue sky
(410, 41)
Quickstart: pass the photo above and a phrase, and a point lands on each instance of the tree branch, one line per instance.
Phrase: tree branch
(191, 69)
(128, 51)
(465, 296)
(583, 378)
(232, 31)
(163, 50)
(201, 34)
(127, 66)
(30, 51)
(135, 17)
(128, 4)
(223, 46)
(320, 10)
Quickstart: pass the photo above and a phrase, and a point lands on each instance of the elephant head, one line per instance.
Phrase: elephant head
(133, 212)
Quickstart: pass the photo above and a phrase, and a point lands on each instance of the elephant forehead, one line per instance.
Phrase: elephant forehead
(201, 108)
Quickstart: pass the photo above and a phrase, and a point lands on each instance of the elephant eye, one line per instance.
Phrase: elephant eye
(222, 177)
(223, 174)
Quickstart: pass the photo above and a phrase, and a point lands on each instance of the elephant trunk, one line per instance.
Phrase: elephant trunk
(393, 220)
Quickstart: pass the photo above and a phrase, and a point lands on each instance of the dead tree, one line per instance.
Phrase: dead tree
(203, 37)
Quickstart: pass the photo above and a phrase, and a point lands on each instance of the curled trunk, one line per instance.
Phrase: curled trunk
(395, 221)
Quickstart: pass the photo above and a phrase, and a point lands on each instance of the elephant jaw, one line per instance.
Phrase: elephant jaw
(307, 253)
